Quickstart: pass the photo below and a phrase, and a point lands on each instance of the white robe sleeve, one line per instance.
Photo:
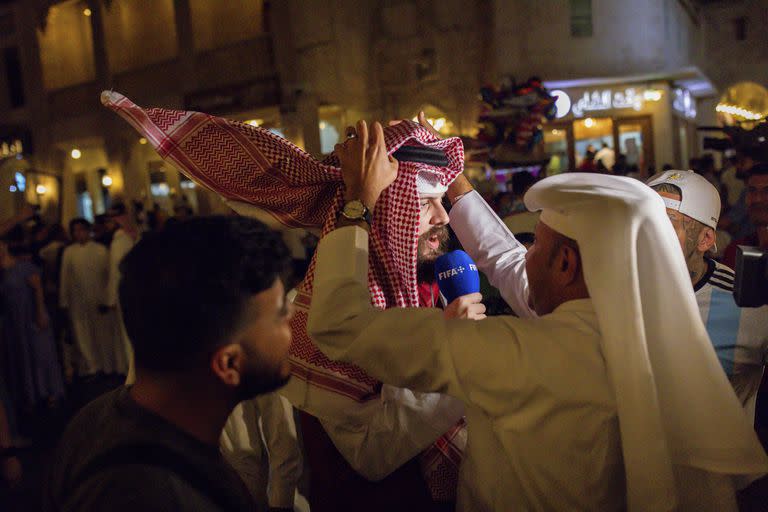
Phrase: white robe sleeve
(494, 248)
(279, 431)
(121, 245)
(413, 348)
(379, 436)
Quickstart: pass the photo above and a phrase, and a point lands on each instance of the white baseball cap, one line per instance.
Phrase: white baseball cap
(699, 199)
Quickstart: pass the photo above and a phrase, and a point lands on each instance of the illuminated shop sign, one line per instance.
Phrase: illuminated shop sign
(683, 103)
(562, 103)
(607, 99)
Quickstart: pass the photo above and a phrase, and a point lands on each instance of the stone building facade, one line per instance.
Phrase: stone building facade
(307, 68)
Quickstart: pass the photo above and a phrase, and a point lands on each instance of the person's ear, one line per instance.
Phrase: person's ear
(227, 364)
(569, 265)
(707, 239)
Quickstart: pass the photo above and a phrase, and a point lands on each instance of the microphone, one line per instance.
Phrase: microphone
(456, 275)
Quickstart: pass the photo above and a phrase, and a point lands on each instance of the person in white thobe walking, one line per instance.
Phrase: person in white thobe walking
(84, 275)
(123, 241)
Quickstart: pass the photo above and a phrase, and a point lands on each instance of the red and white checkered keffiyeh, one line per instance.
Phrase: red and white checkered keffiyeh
(252, 165)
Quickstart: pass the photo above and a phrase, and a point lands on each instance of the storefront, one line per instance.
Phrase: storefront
(684, 120)
(635, 127)
(20, 182)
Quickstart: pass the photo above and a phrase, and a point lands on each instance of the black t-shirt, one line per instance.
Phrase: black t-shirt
(117, 456)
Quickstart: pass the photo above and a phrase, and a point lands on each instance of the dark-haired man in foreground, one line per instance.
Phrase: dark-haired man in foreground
(205, 310)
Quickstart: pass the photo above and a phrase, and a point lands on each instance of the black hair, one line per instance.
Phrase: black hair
(669, 188)
(184, 289)
(79, 221)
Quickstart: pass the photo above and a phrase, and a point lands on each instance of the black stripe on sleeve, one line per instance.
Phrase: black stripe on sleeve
(723, 278)
(725, 270)
(722, 286)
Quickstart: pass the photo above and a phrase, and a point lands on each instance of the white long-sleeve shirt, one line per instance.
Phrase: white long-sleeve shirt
(259, 440)
(121, 244)
(378, 436)
(84, 277)
(543, 428)
(495, 250)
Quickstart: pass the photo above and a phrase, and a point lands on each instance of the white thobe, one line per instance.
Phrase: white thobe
(543, 431)
(84, 275)
(259, 441)
(607, 156)
(120, 246)
(502, 258)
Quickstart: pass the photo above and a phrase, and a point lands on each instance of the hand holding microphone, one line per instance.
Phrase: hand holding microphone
(459, 283)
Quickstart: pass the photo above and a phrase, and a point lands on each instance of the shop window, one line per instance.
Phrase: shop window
(84, 201)
(329, 137)
(13, 77)
(556, 146)
(631, 145)
(590, 136)
(188, 193)
(66, 46)
(158, 186)
(136, 37)
(217, 24)
(581, 18)
(105, 182)
(331, 128)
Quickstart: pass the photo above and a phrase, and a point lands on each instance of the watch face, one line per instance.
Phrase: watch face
(354, 209)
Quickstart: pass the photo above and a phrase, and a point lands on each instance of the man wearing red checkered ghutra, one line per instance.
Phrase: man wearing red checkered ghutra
(370, 446)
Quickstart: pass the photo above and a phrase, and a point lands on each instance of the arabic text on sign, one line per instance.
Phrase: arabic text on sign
(593, 101)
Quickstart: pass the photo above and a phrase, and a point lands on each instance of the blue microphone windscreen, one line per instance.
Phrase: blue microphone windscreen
(456, 275)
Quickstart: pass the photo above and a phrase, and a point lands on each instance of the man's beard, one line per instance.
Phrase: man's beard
(425, 266)
(259, 379)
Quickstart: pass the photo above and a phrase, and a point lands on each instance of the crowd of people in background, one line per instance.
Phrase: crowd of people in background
(736, 226)
(60, 327)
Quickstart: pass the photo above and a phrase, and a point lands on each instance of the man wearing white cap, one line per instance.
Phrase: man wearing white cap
(739, 335)
(582, 408)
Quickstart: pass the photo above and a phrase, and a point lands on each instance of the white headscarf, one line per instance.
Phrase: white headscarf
(675, 404)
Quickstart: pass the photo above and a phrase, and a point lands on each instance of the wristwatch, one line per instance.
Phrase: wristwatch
(355, 210)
